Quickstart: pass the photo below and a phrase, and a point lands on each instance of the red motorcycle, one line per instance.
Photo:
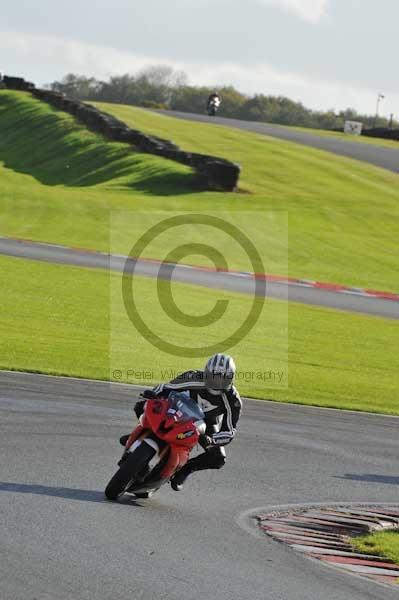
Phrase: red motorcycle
(160, 445)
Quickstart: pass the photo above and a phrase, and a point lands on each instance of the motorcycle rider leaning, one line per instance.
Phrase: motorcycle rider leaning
(211, 98)
(215, 393)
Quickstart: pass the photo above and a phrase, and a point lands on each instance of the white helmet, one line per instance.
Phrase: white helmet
(219, 372)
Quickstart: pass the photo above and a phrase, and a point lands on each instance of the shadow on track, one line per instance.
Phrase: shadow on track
(61, 492)
(372, 478)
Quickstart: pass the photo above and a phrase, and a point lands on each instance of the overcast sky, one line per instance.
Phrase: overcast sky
(325, 53)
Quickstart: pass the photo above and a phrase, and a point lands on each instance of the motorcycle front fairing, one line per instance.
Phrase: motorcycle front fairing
(171, 427)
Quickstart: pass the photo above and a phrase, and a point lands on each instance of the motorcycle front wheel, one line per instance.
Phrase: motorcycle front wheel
(128, 471)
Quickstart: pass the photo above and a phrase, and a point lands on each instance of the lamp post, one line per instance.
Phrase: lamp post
(379, 98)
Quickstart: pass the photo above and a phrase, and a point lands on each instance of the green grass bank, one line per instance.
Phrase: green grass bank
(71, 321)
(61, 183)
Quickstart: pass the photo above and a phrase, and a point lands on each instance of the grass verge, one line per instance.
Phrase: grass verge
(71, 321)
(382, 543)
(61, 183)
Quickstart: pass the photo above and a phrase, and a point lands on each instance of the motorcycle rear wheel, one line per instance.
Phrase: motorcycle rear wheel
(128, 471)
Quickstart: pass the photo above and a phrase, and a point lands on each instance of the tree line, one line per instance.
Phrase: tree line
(165, 88)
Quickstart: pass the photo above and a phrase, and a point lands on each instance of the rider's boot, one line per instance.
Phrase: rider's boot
(180, 477)
(212, 458)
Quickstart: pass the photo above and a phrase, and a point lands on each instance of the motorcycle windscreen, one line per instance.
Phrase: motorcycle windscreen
(182, 408)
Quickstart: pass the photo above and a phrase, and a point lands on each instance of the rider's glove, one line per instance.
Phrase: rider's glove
(222, 438)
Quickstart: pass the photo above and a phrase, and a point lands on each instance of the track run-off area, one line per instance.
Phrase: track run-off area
(61, 539)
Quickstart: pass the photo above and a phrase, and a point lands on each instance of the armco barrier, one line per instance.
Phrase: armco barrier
(382, 132)
(220, 174)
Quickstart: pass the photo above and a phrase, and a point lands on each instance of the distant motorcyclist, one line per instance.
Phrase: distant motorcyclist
(214, 392)
(213, 104)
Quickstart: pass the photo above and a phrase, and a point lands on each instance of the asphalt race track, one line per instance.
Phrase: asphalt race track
(351, 301)
(60, 540)
(387, 158)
